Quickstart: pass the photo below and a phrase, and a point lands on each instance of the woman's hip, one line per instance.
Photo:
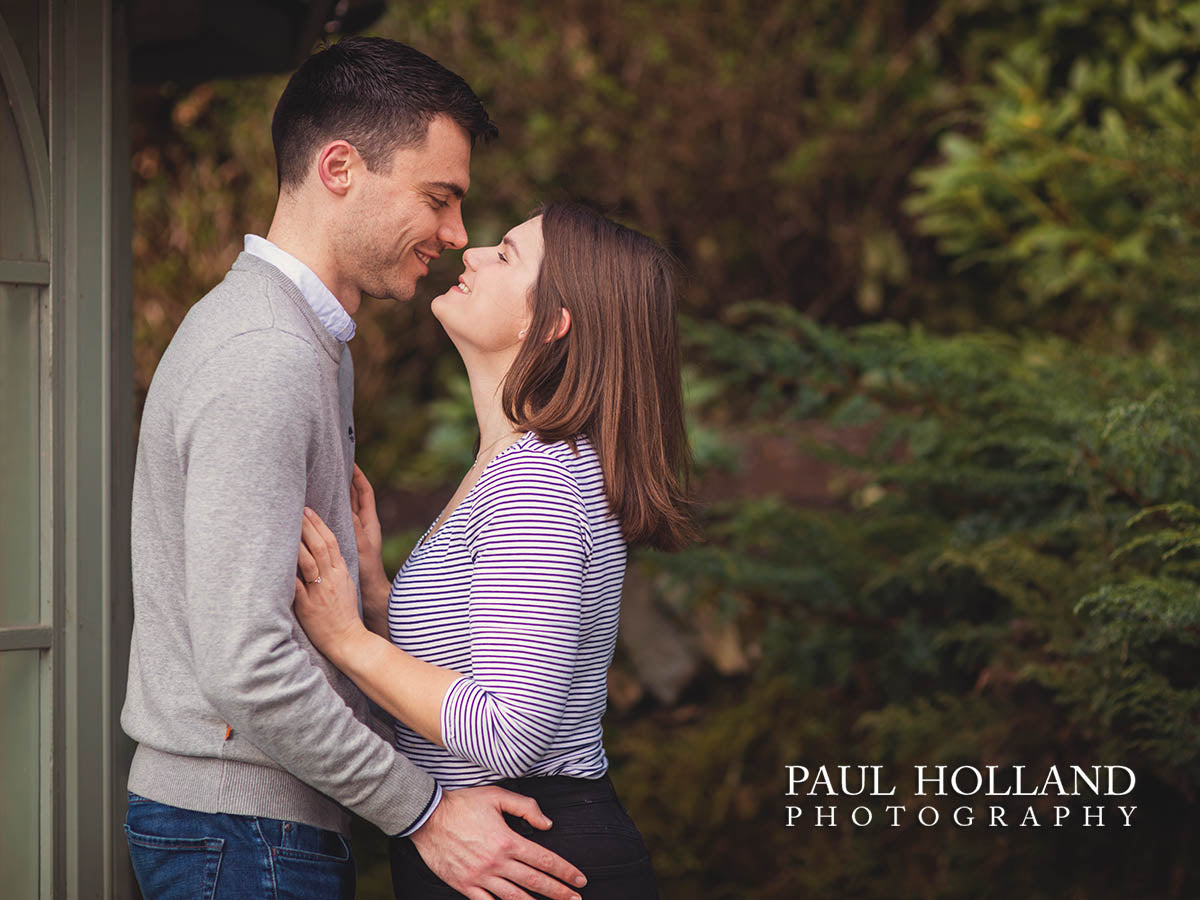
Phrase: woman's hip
(591, 830)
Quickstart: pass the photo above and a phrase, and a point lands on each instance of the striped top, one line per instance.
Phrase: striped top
(520, 591)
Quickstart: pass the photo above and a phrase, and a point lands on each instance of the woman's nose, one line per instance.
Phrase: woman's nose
(469, 257)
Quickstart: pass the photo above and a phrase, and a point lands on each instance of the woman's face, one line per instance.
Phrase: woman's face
(488, 310)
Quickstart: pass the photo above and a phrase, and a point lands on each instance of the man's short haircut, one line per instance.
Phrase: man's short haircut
(377, 94)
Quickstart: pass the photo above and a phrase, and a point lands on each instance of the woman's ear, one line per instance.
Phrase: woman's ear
(564, 325)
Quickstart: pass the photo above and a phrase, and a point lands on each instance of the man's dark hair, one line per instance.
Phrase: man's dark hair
(378, 95)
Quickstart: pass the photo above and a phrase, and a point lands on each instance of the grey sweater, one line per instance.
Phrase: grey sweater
(248, 419)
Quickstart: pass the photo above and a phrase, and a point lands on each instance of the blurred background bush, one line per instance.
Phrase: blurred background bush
(941, 339)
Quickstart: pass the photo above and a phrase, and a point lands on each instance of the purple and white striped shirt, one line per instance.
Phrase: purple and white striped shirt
(520, 591)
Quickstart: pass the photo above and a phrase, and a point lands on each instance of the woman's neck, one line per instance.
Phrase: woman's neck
(486, 377)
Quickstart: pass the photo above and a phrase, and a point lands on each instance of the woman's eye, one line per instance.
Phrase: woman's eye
(503, 258)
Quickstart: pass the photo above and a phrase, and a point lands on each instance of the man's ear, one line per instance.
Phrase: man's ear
(564, 325)
(335, 164)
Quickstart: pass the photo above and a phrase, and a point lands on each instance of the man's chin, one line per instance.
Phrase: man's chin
(400, 293)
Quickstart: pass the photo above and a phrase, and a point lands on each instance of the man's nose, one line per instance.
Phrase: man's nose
(452, 232)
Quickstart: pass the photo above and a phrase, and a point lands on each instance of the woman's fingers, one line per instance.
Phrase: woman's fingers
(309, 570)
(362, 487)
(355, 501)
(299, 597)
(326, 535)
(314, 540)
(360, 478)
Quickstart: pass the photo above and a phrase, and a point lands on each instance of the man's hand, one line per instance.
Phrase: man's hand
(468, 845)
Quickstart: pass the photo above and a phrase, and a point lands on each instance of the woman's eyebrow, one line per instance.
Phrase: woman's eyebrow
(509, 242)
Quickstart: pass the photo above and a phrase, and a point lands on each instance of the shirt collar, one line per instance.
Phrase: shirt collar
(326, 306)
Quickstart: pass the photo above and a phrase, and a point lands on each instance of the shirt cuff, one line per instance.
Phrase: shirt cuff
(456, 712)
(428, 811)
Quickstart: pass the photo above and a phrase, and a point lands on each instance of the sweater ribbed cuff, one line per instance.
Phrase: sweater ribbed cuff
(424, 817)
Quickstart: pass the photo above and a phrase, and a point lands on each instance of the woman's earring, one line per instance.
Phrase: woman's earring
(521, 334)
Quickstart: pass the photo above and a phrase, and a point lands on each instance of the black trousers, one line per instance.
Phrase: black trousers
(592, 831)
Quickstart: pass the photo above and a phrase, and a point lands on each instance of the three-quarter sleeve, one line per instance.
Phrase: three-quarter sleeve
(529, 545)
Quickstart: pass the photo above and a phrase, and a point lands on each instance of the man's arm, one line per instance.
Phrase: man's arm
(247, 431)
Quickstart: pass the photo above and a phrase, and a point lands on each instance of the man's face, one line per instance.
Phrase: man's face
(402, 219)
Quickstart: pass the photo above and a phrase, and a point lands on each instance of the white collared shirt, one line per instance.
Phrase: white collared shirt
(331, 313)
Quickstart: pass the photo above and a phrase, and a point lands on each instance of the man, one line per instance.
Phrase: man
(251, 746)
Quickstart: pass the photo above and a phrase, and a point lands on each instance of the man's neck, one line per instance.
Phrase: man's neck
(314, 253)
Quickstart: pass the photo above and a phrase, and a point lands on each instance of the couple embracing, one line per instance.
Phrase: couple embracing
(278, 677)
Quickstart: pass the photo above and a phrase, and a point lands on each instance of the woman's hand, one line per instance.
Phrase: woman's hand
(326, 602)
(326, 605)
(376, 587)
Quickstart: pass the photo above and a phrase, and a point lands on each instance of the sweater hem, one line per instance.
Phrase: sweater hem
(209, 785)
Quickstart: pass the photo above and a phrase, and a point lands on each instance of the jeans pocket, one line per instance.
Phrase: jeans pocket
(295, 840)
(173, 866)
(601, 840)
(337, 852)
(307, 861)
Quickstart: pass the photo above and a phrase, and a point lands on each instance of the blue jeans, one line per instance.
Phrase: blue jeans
(178, 853)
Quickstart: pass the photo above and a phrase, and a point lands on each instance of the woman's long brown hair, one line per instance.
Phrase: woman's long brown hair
(614, 376)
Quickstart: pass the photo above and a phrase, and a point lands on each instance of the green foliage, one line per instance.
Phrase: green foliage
(990, 550)
(1009, 577)
(767, 144)
(1062, 190)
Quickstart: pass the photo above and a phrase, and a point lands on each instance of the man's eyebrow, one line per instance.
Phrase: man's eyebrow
(509, 242)
(448, 186)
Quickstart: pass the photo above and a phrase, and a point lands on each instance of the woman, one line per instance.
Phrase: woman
(504, 618)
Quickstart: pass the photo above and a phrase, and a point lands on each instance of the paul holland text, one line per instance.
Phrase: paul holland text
(993, 793)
